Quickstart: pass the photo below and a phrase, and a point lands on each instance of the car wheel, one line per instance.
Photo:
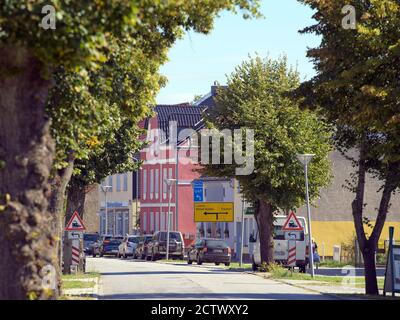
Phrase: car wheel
(227, 264)
(217, 263)
(199, 262)
(94, 255)
(101, 254)
(190, 261)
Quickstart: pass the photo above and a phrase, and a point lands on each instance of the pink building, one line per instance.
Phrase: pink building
(163, 159)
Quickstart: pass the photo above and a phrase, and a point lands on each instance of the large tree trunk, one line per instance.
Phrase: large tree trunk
(27, 243)
(76, 196)
(56, 204)
(369, 246)
(265, 219)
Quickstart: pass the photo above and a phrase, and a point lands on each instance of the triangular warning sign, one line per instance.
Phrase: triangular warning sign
(75, 223)
(292, 223)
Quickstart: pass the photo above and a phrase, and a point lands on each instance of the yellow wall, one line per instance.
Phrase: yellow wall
(337, 232)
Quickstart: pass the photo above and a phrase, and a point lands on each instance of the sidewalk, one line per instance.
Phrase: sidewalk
(84, 292)
(345, 291)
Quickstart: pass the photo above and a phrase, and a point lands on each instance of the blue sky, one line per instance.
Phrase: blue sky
(196, 61)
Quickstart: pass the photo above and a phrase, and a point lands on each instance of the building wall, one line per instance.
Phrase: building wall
(332, 215)
(121, 206)
(91, 210)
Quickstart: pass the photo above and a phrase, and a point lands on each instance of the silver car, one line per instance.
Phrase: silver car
(128, 247)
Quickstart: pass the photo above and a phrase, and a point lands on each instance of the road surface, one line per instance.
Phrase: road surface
(136, 279)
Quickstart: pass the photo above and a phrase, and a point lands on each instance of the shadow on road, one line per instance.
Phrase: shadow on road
(131, 273)
(251, 296)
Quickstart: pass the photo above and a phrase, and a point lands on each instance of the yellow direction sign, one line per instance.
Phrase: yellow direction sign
(213, 211)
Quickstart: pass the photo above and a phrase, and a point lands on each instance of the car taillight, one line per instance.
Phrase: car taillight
(106, 241)
(227, 250)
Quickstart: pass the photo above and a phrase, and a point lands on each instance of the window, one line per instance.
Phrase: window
(118, 177)
(162, 223)
(151, 221)
(170, 177)
(151, 183)
(156, 182)
(144, 184)
(156, 228)
(164, 183)
(110, 183)
(125, 177)
(126, 223)
(145, 222)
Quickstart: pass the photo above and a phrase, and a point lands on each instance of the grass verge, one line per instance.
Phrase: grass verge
(277, 272)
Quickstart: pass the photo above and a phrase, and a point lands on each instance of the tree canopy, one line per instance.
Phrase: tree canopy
(256, 97)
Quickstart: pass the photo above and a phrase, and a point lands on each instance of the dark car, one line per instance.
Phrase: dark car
(157, 247)
(97, 245)
(89, 239)
(210, 250)
(141, 249)
(110, 247)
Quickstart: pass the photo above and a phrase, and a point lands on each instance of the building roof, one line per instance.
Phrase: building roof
(186, 116)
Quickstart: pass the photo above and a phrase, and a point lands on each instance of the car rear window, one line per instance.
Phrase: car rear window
(172, 236)
(133, 239)
(90, 237)
(115, 242)
(213, 244)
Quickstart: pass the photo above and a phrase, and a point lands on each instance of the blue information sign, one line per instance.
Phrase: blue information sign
(198, 191)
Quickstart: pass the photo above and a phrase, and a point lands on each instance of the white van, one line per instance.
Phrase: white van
(281, 245)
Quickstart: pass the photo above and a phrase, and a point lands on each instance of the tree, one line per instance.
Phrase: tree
(256, 98)
(357, 90)
(29, 58)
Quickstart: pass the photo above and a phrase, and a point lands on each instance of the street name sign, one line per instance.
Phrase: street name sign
(213, 212)
(292, 223)
(293, 235)
(75, 235)
(75, 223)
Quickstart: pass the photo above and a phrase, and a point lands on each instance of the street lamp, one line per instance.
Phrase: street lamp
(105, 189)
(304, 159)
(169, 184)
(137, 189)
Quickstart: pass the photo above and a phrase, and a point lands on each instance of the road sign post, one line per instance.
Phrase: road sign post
(74, 230)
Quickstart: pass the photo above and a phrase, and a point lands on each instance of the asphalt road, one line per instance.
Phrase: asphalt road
(136, 279)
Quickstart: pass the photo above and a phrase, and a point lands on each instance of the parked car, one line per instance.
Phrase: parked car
(110, 247)
(102, 241)
(128, 246)
(157, 247)
(210, 250)
(89, 239)
(141, 249)
(97, 245)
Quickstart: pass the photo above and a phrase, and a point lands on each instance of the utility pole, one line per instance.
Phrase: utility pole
(304, 159)
(105, 189)
(242, 234)
(169, 184)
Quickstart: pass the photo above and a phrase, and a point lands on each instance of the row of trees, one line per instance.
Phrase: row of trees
(352, 103)
(71, 100)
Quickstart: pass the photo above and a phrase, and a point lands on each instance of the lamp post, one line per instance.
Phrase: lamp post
(304, 159)
(105, 189)
(242, 233)
(137, 190)
(169, 184)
